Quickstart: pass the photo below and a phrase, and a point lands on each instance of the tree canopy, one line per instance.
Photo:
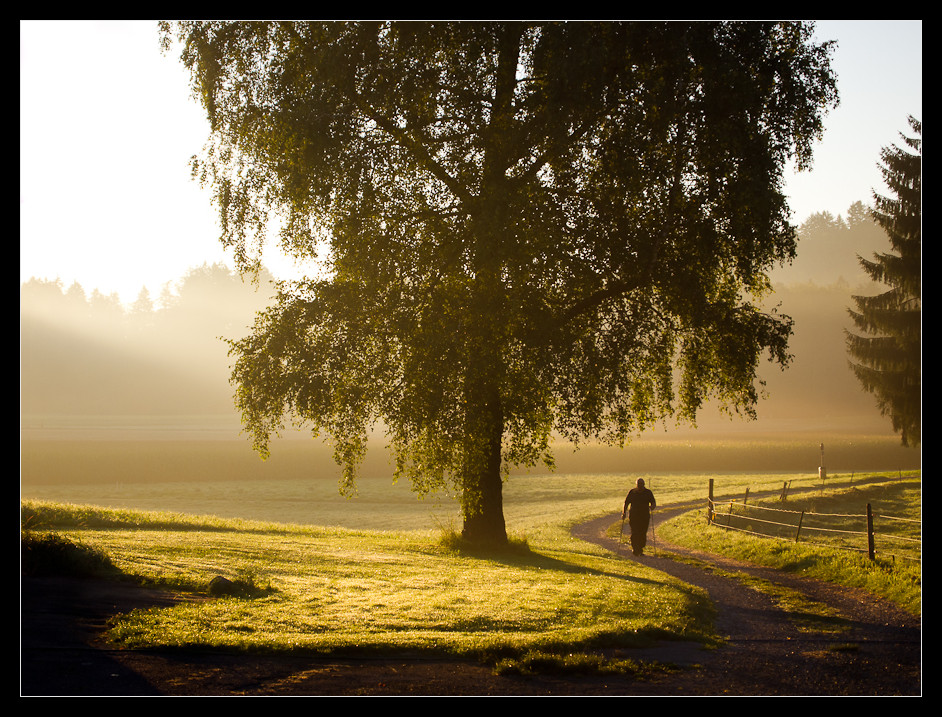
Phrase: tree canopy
(888, 354)
(524, 228)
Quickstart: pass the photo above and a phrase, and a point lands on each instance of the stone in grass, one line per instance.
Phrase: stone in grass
(221, 587)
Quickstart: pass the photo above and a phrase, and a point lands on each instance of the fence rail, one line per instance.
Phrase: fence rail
(740, 516)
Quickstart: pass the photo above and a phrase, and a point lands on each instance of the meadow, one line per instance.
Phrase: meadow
(206, 472)
(382, 571)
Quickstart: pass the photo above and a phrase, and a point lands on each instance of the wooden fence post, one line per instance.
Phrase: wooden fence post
(710, 513)
(800, 519)
(746, 498)
(870, 547)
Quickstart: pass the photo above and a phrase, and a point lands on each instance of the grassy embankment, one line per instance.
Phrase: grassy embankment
(832, 545)
(341, 591)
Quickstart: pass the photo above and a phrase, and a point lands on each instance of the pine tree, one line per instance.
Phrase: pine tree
(888, 355)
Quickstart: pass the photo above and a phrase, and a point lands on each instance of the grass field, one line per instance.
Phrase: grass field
(390, 579)
(337, 590)
(156, 468)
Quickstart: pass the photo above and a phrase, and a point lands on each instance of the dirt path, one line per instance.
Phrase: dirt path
(62, 623)
(878, 652)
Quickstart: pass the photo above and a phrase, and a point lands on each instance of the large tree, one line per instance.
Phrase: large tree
(524, 228)
(888, 354)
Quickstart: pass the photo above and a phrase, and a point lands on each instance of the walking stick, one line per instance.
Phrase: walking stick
(653, 535)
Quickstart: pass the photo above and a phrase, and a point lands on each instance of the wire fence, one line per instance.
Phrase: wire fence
(890, 536)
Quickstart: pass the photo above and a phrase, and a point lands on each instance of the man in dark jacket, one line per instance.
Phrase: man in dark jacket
(638, 505)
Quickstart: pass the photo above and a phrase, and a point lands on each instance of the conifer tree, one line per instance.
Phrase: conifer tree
(887, 356)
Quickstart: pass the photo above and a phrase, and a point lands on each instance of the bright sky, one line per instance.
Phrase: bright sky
(107, 127)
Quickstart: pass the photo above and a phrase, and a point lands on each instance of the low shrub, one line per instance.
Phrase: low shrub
(50, 554)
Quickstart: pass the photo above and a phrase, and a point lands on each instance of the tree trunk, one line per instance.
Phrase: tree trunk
(482, 497)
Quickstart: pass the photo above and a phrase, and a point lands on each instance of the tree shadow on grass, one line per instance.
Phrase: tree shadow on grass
(518, 554)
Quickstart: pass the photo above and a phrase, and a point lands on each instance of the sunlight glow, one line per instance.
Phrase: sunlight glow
(108, 127)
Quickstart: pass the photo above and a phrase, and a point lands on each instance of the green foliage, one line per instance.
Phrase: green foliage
(51, 554)
(887, 358)
(524, 228)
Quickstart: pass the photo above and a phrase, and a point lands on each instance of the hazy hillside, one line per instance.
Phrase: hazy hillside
(65, 370)
(818, 385)
(91, 356)
(87, 355)
(828, 248)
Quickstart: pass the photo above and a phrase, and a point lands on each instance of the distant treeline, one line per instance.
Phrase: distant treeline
(828, 247)
(87, 354)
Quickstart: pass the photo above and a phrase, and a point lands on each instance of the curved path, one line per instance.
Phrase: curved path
(878, 652)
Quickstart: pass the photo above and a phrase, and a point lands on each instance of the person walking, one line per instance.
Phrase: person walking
(638, 505)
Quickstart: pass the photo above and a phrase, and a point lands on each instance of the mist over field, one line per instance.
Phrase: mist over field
(113, 395)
